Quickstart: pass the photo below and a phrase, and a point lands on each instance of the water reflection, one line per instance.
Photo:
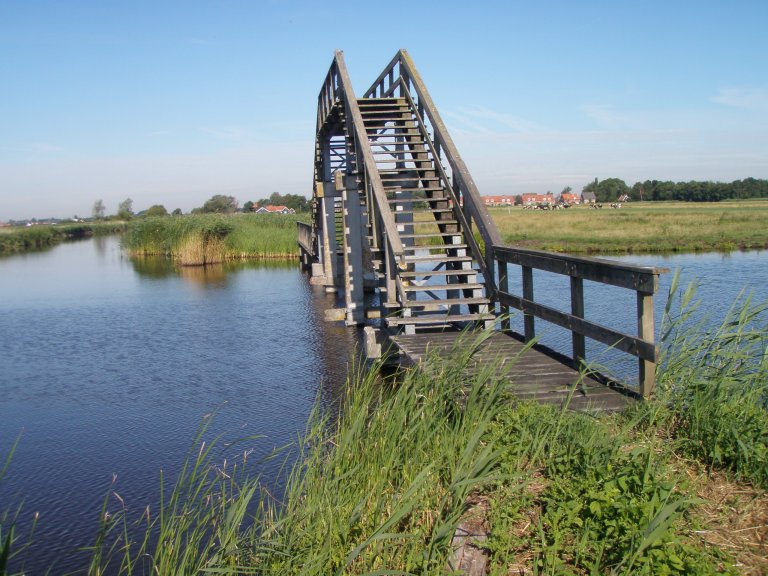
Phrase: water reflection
(110, 363)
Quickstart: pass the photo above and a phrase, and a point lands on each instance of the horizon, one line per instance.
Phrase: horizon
(172, 104)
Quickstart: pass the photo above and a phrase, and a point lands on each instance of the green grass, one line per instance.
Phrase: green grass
(640, 227)
(42, 236)
(209, 238)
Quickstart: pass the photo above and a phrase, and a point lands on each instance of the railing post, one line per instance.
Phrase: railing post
(645, 330)
(577, 309)
(528, 319)
(504, 287)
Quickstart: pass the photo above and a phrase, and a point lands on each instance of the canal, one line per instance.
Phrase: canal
(109, 365)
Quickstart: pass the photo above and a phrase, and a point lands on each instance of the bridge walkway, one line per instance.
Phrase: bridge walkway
(534, 373)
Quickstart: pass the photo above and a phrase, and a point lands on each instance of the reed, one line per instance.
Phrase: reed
(207, 238)
(715, 383)
(42, 236)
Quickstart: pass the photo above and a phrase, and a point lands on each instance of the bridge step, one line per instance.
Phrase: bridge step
(438, 319)
(443, 272)
(439, 305)
(438, 258)
(434, 247)
(442, 287)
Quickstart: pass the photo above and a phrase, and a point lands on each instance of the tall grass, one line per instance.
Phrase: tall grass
(210, 238)
(378, 487)
(383, 488)
(198, 527)
(715, 383)
(39, 237)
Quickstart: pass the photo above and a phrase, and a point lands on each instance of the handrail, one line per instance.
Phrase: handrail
(643, 280)
(355, 124)
(304, 233)
(406, 78)
(457, 211)
(460, 171)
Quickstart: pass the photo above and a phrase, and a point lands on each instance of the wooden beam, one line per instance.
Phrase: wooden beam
(624, 342)
(639, 278)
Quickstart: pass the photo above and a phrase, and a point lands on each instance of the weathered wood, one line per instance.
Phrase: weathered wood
(639, 278)
(530, 325)
(355, 124)
(624, 342)
(533, 373)
(577, 310)
(647, 366)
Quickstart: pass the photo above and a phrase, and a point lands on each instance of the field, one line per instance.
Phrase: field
(641, 227)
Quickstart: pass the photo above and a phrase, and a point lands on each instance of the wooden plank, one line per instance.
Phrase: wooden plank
(532, 374)
(641, 278)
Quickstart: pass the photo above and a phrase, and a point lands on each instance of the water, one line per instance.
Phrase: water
(108, 367)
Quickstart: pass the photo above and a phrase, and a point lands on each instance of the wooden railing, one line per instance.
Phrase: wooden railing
(400, 78)
(337, 89)
(643, 280)
(305, 238)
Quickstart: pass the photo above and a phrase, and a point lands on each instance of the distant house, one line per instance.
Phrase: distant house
(624, 198)
(567, 198)
(269, 209)
(588, 197)
(499, 200)
(536, 199)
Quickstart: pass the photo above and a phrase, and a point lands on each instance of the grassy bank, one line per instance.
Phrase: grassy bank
(638, 227)
(26, 239)
(209, 238)
(674, 486)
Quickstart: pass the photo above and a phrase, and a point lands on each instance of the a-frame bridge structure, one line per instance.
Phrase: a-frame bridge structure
(398, 225)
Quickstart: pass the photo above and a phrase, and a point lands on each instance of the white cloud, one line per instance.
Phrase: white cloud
(748, 98)
(608, 118)
(485, 121)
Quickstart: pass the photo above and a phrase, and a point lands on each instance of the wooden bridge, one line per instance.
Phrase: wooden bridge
(400, 228)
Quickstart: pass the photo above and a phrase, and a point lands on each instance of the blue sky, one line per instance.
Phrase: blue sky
(172, 102)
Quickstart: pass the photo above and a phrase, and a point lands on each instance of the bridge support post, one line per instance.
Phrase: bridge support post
(327, 237)
(352, 222)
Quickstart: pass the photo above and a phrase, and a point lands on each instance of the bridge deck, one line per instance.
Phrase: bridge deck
(533, 373)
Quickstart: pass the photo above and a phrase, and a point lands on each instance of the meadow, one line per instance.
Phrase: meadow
(638, 227)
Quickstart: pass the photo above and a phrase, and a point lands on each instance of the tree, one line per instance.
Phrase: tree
(221, 204)
(566, 190)
(157, 210)
(248, 206)
(176, 212)
(125, 209)
(98, 210)
(608, 190)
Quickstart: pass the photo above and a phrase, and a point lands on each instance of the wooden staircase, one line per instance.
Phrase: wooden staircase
(438, 284)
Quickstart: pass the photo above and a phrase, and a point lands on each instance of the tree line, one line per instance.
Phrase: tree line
(219, 204)
(611, 189)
